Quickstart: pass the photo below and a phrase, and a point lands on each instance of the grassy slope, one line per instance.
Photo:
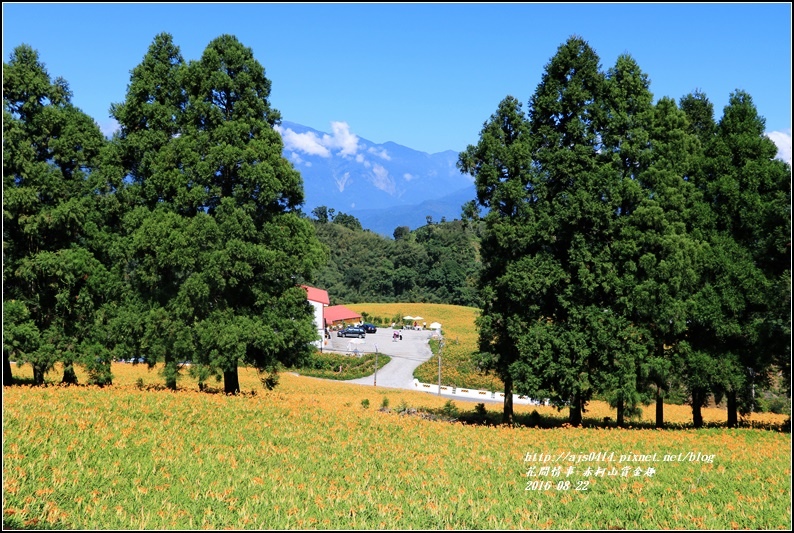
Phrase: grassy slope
(309, 456)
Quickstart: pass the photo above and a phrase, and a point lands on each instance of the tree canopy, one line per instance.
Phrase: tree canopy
(436, 263)
(205, 248)
(54, 211)
(629, 246)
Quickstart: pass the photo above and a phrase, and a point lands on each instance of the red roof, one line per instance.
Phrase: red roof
(317, 295)
(337, 313)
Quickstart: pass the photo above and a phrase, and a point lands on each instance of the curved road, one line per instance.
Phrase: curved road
(405, 354)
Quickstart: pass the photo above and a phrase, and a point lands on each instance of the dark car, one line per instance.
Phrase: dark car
(351, 331)
(369, 328)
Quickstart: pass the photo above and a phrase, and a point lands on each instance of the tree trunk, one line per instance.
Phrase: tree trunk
(231, 381)
(507, 414)
(659, 408)
(38, 375)
(575, 415)
(697, 408)
(8, 378)
(69, 376)
(733, 418)
(621, 408)
(170, 373)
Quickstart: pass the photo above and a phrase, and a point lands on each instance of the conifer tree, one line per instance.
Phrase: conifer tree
(217, 246)
(155, 317)
(52, 280)
(741, 326)
(500, 165)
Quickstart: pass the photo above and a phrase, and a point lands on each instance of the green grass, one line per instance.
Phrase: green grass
(341, 367)
(308, 455)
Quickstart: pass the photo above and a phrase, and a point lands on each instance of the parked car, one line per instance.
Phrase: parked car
(369, 328)
(351, 331)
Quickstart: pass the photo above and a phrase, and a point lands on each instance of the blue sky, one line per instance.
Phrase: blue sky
(422, 75)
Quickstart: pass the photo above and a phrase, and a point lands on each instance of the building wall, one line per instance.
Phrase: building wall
(318, 323)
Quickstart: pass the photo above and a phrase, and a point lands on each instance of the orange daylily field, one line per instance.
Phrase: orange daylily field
(313, 454)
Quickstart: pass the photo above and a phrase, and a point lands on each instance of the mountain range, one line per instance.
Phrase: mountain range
(383, 185)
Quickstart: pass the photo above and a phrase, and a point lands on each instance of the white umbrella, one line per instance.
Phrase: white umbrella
(435, 325)
(418, 318)
(408, 318)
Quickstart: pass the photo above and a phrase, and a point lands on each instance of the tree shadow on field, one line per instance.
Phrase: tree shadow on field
(30, 383)
(216, 390)
(12, 524)
(25, 382)
(482, 417)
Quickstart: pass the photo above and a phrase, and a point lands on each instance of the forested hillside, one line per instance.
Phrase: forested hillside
(437, 263)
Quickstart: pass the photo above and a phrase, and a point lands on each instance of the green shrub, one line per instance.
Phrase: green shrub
(450, 409)
(341, 367)
(403, 407)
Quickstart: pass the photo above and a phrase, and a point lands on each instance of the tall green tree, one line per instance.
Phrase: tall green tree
(742, 325)
(548, 278)
(51, 220)
(500, 165)
(654, 152)
(663, 247)
(216, 247)
(155, 319)
(260, 249)
(566, 117)
(626, 152)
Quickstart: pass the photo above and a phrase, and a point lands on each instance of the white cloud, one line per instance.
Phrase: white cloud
(109, 127)
(408, 177)
(308, 142)
(298, 160)
(783, 141)
(342, 141)
(342, 138)
(342, 182)
(382, 153)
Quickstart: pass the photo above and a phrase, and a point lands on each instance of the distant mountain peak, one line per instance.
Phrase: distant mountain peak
(345, 171)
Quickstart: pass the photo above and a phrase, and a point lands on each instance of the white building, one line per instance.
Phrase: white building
(319, 300)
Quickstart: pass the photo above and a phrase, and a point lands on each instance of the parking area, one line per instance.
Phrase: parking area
(405, 354)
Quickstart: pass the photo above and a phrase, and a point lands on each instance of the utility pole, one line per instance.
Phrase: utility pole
(375, 384)
(440, 347)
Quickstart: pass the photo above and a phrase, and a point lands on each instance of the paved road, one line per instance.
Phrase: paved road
(405, 354)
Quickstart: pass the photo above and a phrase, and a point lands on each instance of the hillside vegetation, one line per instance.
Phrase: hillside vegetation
(436, 263)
